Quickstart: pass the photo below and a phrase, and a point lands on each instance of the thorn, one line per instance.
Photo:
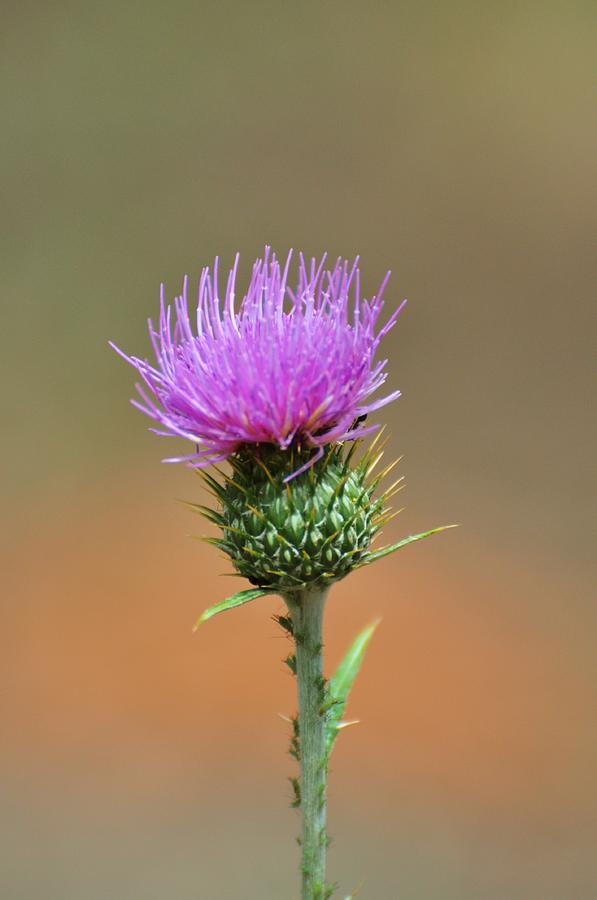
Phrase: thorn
(385, 472)
(373, 464)
(265, 469)
(257, 512)
(347, 724)
(388, 496)
(349, 455)
(383, 520)
(394, 484)
(377, 438)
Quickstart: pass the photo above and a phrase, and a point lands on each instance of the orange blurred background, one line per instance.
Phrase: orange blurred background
(452, 145)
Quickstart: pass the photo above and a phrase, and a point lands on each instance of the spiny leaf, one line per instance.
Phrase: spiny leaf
(291, 663)
(286, 623)
(296, 790)
(231, 603)
(385, 551)
(341, 683)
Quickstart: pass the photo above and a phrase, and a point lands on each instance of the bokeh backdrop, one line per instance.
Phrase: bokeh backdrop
(452, 143)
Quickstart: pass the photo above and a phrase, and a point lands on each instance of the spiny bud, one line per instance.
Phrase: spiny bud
(311, 530)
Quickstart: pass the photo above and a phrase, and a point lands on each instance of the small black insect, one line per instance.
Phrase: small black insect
(358, 421)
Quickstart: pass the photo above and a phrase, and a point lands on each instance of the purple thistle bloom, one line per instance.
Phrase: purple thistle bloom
(289, 365)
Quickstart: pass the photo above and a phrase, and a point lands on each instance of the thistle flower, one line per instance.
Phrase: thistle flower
(277, 387)
(288, 366)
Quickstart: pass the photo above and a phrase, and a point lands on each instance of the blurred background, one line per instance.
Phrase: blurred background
(451, 143)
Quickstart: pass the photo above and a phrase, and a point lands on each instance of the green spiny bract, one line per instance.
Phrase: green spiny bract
(309, 531)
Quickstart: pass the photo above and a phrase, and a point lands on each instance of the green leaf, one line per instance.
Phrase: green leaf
(231, 603)
(340, 685)
(385, 551)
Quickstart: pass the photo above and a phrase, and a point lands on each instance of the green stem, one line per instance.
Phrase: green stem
(306, 610)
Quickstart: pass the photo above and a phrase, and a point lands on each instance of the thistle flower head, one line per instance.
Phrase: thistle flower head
(285, 366)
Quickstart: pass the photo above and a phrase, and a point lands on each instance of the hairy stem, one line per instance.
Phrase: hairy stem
(306, 610)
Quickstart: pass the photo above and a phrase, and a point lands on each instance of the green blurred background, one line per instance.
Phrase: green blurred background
(452, 143)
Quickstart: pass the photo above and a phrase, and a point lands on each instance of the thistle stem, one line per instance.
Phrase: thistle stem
(306, 611)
